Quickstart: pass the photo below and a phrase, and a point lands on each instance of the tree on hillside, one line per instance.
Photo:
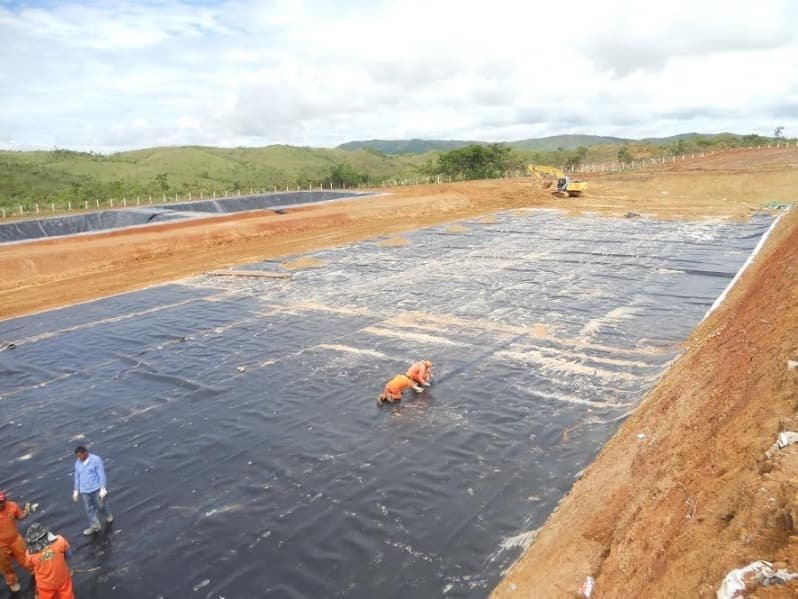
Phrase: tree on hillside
(160, 179)
(624, 155)
(475, 161)
(754, 140)
(778, 132)
(344, 175)
(576, 157)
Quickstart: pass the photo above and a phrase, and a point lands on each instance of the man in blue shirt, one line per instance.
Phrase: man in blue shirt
(91, 485)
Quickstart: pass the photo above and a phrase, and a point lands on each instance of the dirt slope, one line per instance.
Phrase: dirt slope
(666, 515)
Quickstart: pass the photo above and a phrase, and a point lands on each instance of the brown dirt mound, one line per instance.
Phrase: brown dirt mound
(393, 242)
(304, 262)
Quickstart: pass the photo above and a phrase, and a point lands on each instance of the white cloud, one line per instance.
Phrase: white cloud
(106, 76)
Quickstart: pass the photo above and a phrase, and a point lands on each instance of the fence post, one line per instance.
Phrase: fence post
(37, 209)
(111, 201)
(4, 212)
(52, 208)
(70, 205)
(20, 210)
(124, 201)
(87, 204)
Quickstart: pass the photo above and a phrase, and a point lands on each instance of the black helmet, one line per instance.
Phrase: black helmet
(37, 537)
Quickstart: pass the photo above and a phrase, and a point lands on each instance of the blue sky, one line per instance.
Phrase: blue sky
(108, 76)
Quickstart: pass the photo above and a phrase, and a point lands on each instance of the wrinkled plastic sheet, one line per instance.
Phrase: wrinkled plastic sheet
(143, 215)
(245, 451)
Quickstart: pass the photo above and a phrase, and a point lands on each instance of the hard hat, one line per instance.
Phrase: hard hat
(37, 537)
(427, 363)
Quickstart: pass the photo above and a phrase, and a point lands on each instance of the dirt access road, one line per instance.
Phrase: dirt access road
(665, 515)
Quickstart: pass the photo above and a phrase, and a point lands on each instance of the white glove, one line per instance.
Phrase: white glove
(103, 493)
(418, 389)
(75, 496)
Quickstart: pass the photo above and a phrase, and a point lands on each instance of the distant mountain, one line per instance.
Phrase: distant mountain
(420, 146)
(687, 137)
(565, 142)
(406, 146)
(541, 144)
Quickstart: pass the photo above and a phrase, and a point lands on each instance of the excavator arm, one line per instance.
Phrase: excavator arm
(565, 186)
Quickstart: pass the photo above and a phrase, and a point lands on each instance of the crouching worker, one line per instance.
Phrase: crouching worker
(393, 390)
(421, 373)
(47, 555)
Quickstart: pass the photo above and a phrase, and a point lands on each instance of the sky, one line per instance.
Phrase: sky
(111, 76)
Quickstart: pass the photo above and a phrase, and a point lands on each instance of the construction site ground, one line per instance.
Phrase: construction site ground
(683, 493)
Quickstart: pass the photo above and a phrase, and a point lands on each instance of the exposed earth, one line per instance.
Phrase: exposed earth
(683, 493)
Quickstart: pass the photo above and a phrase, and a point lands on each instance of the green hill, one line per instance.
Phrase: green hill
(63, 176)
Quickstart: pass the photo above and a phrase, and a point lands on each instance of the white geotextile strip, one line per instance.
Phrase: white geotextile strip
(740, 272)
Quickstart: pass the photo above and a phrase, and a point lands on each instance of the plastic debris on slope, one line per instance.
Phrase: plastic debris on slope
(754, 574)
(783, 440)
(586, 589)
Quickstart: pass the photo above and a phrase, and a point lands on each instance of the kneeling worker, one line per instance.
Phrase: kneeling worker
(421, 373)
(393, 390)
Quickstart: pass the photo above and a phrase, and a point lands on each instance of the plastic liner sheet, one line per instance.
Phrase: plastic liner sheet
(117, 219)
(245, 451)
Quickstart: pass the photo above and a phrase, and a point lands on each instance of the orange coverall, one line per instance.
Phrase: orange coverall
(393, 390)
(53, 578)
(421, 372)
(11, 542)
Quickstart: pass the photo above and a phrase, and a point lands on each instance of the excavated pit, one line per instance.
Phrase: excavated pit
(245, 451)
(105, 220)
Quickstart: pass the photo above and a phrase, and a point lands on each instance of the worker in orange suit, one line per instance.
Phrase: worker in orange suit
(421, 373)
(393, 390)
(11, 542)
(47, 555)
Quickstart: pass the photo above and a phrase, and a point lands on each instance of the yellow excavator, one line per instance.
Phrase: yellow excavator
(566, 187)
